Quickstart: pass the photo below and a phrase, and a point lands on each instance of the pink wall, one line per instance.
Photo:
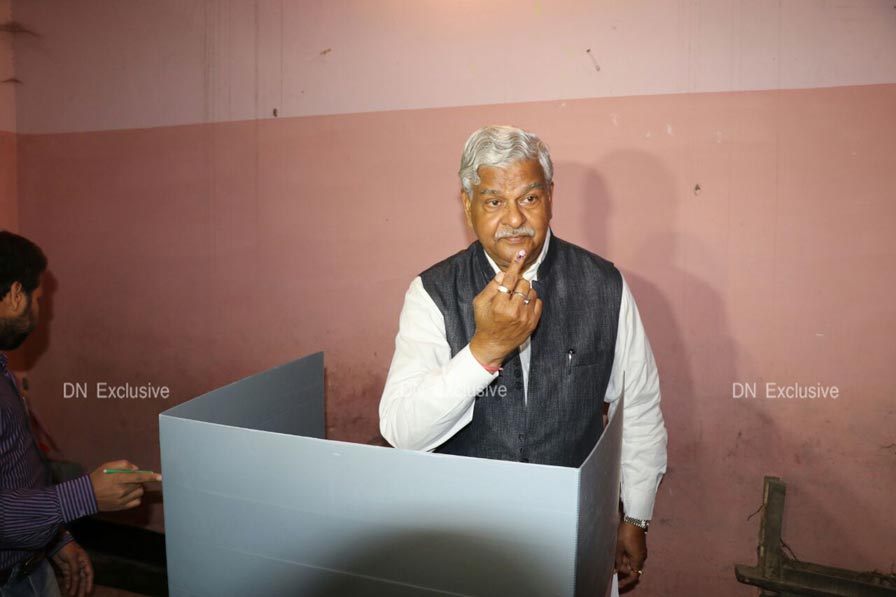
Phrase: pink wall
(192, 255)
(232, 60)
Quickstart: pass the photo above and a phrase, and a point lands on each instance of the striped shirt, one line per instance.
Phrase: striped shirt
(32, 511)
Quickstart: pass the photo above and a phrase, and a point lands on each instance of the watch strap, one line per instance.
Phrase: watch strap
(641, 524)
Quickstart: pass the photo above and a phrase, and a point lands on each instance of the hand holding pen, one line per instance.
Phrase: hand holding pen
(118, 485)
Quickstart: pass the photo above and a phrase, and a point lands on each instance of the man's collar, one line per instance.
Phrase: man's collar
(531, 273)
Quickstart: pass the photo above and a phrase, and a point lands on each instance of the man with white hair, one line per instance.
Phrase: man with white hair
(510, 348)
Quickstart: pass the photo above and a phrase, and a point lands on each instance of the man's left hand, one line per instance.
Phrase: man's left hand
(77, 572)
(631, 553)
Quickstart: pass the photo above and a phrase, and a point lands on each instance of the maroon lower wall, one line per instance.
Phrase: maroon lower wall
(192, 256)
(9, 212)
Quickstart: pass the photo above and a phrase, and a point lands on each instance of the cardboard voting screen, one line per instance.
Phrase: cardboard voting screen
(258, 503)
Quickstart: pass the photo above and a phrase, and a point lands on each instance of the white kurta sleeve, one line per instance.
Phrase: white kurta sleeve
(643, 430)
(429, 396)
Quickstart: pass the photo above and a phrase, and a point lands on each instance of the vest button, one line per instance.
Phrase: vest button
(519, 385)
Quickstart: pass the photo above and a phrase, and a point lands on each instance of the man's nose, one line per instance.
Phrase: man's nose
(513, 215)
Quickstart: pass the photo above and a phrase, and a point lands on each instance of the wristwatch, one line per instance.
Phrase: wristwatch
(641, 524)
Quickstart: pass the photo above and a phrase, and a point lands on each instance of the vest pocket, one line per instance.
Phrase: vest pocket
(583, 379)
(576, 360)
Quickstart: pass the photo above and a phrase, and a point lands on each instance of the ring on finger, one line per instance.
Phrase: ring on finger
(525, 296)
(503, 289)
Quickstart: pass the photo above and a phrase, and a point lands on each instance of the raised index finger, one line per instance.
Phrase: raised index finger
(513, 273)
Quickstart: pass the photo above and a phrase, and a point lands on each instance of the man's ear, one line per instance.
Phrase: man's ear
(14, 300)
(468, 207)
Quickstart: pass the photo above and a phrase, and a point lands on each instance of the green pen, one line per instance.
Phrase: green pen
(124, 470)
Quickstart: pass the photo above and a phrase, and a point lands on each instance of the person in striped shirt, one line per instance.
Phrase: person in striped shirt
(33, 511)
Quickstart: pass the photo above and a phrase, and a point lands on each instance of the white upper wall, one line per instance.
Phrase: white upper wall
(7, 71)
(109, 64)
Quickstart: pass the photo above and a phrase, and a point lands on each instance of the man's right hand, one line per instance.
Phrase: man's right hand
(503, 319)
(119, 491)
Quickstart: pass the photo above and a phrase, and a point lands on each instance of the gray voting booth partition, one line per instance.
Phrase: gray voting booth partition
(257, 502)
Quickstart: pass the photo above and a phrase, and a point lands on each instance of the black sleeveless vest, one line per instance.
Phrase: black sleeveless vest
(571, 357)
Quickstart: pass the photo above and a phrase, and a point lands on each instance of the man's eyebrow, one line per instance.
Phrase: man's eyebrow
(534, 185)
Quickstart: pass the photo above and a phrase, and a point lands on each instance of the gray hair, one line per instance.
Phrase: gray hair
(499, 146)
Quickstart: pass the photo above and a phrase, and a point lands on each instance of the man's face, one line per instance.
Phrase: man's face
(510, 210)
(15, 326)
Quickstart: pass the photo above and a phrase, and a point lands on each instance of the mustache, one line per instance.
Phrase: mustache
(521, 231)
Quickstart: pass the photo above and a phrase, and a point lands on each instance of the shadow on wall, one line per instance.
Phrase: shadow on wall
(639, 227)
(653, 228)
